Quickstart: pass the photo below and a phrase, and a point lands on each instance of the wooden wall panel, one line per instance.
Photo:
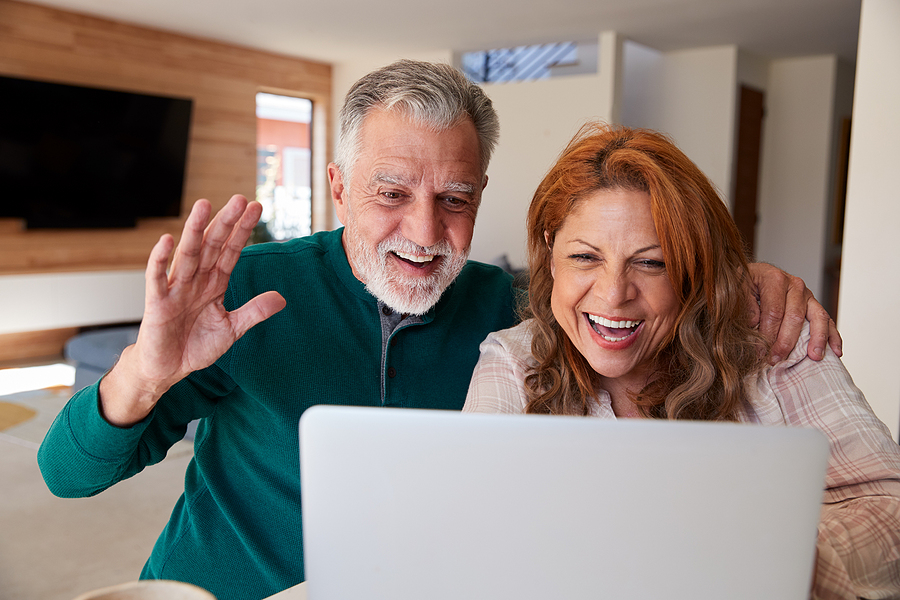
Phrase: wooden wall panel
(45, 43)
(21, 349)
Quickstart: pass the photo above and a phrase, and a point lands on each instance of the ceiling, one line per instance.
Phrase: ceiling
(340, 30)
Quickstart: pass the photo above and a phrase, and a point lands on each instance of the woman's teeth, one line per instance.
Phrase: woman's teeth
(613, 331)
(613, 324)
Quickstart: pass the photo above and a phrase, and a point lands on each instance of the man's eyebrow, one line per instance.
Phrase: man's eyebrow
(390, 179)
(460, 187)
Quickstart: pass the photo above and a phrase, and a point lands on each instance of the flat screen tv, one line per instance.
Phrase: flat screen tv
(81, 157)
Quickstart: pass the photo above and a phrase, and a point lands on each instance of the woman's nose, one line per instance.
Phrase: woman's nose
(615, 288)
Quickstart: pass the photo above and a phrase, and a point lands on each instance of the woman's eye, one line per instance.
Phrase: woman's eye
(652, 264)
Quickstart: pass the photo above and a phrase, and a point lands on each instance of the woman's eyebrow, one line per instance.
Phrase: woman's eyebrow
(584, 243)
(596, 249)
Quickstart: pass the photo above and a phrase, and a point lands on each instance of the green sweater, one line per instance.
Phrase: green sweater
(236, 531)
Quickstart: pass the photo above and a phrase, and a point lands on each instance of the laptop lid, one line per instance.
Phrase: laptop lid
(428, 505)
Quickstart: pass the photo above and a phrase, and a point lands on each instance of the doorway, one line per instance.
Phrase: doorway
(751, 110)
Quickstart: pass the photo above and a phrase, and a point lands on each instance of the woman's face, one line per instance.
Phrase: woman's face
(611, 293)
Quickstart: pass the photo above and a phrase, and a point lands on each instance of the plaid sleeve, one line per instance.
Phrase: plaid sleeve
(498, 382)
(858, 547)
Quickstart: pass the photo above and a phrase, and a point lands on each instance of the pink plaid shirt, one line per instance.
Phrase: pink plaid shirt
(858, 548)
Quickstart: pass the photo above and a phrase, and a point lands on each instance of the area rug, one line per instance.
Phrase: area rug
(13, 414)
(28, 415)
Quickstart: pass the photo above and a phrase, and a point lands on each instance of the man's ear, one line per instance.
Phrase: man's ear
(338, 192)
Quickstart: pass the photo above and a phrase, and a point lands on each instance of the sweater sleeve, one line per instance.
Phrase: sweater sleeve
(82, 454)
(858, 545)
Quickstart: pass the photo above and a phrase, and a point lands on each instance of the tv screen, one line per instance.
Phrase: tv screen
(73, 156)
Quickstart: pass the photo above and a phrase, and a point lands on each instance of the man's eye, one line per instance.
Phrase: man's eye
(455, 202)
(392, 195)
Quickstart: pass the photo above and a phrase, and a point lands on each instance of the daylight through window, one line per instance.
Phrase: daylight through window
(528, 63)
(284, 165)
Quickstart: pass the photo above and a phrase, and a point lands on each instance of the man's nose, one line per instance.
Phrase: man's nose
(422, 223)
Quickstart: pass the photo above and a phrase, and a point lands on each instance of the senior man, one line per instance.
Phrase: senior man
(384, 312)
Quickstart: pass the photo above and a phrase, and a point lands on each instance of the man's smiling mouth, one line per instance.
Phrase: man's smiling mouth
(416, 260)
(613, 331)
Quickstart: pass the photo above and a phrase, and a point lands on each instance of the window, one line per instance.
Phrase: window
(527, 63)
(284, 166)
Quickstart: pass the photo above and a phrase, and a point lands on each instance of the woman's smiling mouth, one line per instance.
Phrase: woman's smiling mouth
(612, 331)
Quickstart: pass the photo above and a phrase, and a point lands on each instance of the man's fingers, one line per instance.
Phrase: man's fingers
(221, 230)
(822, 331)
(239, 236)
(156, 279)
(772, 286)
(187, 253)
(793, 318)
(818, 337)
(256, 311)
(834, 338)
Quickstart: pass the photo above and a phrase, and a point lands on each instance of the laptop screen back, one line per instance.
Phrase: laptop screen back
(412, 505)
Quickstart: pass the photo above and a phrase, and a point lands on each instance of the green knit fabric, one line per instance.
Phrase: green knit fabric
(236, 531)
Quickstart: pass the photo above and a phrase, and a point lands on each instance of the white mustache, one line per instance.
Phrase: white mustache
(401, 244)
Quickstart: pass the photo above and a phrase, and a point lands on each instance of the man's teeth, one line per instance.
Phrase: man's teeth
(416, 258)
(613, 324)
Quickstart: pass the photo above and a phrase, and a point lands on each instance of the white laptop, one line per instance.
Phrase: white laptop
(430, 505)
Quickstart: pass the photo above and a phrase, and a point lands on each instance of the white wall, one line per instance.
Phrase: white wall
(869, 309)
(796, 173)
(345, 74)
(59, 300)
(537, 120)
(699, 91)
(689, 95)
(642, 85)
(753, 70)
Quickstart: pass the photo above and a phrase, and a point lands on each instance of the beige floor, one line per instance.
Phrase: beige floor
(56, 549)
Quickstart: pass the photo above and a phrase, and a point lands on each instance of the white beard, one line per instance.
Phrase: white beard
(402, 293)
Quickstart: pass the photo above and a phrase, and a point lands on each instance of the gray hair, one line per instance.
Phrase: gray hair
(429, 93)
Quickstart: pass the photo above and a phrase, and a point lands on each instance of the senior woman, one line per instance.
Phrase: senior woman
(638, 309)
